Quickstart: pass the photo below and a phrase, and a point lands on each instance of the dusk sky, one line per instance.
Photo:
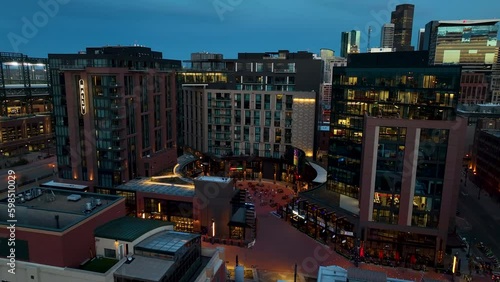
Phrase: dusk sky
(178, 28)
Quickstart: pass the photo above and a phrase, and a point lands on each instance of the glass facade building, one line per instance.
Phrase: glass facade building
(25, 105)
(394, 154)
(421, 93)
(467, 42)
(349, 43)
(402, 18)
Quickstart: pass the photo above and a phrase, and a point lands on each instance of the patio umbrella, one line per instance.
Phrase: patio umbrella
(397, 255)
(381, 254)
(361, 252)
(413, 259)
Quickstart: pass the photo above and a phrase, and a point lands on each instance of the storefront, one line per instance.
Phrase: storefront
(180, 213)
(396, 248)
(328, 227)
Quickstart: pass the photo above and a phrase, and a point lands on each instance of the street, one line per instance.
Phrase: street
(483, 215)
(279, 246)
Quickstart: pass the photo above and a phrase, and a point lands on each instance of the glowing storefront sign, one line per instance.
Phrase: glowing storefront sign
(83, 108)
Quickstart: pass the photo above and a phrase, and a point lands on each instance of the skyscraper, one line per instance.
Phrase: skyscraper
(465, 42)
(349, 43)
(421, 37)
(402, 18)
(470, 43)
(387, 36)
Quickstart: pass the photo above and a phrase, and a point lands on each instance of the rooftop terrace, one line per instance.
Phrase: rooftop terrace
(51, 209)
(144, 184)
(214, 179)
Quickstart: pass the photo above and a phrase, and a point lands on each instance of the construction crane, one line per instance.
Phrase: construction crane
(369, 38)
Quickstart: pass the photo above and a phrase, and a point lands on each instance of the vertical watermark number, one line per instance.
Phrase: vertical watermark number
(11, 214)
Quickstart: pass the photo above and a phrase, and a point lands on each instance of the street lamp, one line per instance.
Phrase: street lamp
(455, 262)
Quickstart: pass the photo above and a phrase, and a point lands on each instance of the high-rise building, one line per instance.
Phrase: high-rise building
(235, 123)
(402, 18)
(327, 56)
(349, 43)
(283, 71)
(421, 39)
(395, 155)
(387, 36)
(25, 105)
(115, 114)
(464, 42)
(471, 44)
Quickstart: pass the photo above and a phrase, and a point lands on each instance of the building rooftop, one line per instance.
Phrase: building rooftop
(214, 179)
(144, 184)
(168, 242)
(494, 132)
(145, 268)
(358, 274)
(469, 22)
(239, 218)
(128, 228)
(55, 210)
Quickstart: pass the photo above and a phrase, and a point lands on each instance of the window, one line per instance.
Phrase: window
(110, 253)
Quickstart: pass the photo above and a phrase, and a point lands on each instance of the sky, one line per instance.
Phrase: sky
(179, 27)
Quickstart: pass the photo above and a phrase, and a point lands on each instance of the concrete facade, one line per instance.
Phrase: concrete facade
(412, 159)
(237, 122)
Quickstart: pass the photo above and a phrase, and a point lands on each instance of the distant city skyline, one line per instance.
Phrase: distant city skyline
(218, 26)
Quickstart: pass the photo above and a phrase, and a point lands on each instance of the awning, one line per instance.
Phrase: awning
(239, 218)
(321, 174)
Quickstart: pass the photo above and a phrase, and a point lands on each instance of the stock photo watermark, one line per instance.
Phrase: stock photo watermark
(11, 215)
(223, 6)
(31, 25)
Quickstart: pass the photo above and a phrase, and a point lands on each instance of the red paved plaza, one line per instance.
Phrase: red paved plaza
(279, 246)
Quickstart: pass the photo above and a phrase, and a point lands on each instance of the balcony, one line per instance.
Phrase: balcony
(284, 71)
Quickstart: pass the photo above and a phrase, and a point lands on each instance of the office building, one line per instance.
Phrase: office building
(327, 56)
(349, 43)
(387, 36)
(421, 39)
(464, 42)
(471, 44)
(115, 114)
(25, 105)
(329, 63)
(402, 18)
(394, 159)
